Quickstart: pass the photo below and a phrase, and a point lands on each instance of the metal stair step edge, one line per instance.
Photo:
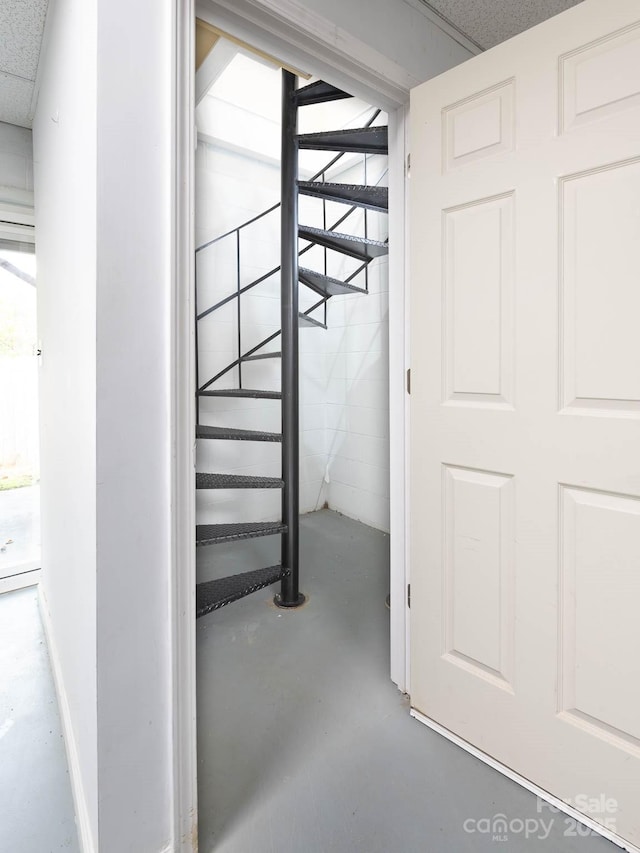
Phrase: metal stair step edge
(306, 320)
(324, 285)
(356, 247)
(232, 434)
(211, 534)
(212, 595)
(362, 140)
(371, 197)
(247, 393)
(261, 356)
(319, 93)
(236, 481)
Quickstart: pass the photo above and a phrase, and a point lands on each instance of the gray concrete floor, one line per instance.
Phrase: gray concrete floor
(36, 807)
(306, 746)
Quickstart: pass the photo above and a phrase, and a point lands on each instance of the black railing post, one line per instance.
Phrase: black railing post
(195, 339)
(238, 312)
(289, 595)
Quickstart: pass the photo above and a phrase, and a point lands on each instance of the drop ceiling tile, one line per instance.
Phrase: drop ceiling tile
(15, 100)
(21, 29)
(489, 22)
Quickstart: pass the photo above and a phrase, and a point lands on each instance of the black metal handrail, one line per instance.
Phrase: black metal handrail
(264, 213)
(232, 296)
(267, 275)
(315, 177)
(266, 341)
(238, 228)
(240, 290)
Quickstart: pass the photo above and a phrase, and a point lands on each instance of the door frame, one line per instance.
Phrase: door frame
(182, 419)
(299, 37)
(288, 30)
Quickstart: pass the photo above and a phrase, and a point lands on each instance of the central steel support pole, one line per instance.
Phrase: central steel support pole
(290, 595)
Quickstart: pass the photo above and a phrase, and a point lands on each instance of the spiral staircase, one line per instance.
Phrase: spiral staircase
(368, 140)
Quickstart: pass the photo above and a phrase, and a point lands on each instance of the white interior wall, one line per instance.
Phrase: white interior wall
(357, 373)
(343, 373)
(64, 136)
(135, 329)
(104, 200)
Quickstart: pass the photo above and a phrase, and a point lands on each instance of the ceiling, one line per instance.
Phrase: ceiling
(485, 22)
(489, 22)
(22, 28)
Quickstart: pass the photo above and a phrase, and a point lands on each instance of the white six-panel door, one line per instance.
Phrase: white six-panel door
(525, 406)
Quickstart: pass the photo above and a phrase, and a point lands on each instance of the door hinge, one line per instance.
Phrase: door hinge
(408, 165)
(409, 595)
(409, 381)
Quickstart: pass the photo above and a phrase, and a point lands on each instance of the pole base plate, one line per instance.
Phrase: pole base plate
(289, 605)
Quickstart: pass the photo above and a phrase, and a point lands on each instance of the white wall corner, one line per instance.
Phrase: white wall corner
(81, 806)
(425, 8)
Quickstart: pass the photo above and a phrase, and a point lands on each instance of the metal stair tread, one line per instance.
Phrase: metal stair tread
(357, 247)
(261, 355)
(233, 434)
(306, 320)
(210, 534)
(236, 481)
(212, 595)
(318, 93)
(360, 140)
(325, 285)
(371, 197)
(242, 392)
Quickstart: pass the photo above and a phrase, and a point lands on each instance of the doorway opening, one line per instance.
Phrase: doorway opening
(343, 369)
(19, 445)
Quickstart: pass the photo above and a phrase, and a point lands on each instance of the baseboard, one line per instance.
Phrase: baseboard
(525, 783)
(83, 822)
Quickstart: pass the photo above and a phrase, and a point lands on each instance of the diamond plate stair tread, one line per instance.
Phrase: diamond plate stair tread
(210, 534)
(231, 434)
(242, 392)
(212, 595)
(260, 356)
(360, 140)
(236, 481)
(356, 247)
(373, 198)
(324, 285)
(305, 320)
(318, 93)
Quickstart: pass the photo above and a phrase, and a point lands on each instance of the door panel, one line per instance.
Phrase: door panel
(525, 405)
